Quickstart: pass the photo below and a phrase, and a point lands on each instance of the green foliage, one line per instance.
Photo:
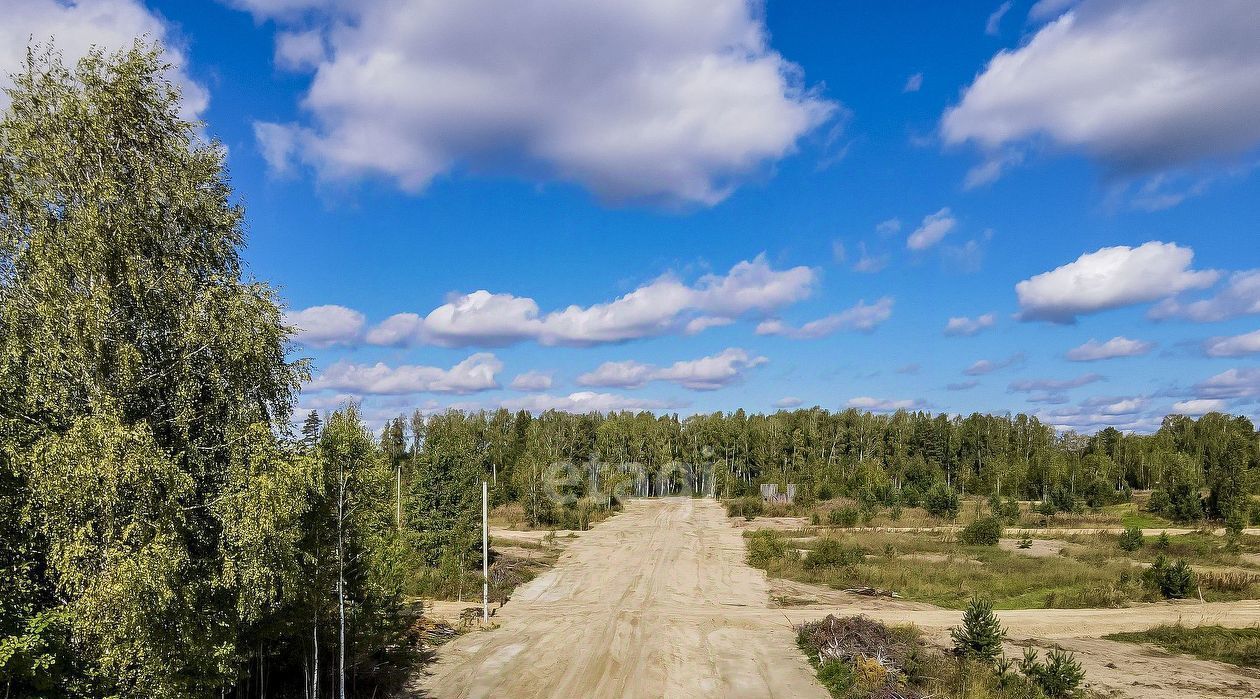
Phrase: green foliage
(982, 532)
(980, 636)
(1006, 509)
(1180, 502)
(1059, 677)
(831, 553)
(163, 537)
(836, 676)
(749, 508)
(846, 516)
(942, 501)
(1173, 581)
(144, 387)
(1131, 539)
(765, 547)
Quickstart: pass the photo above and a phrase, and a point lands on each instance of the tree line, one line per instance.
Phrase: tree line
(555, 464)
(166, 532)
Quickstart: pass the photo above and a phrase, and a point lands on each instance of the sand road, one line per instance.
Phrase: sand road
(651, 603)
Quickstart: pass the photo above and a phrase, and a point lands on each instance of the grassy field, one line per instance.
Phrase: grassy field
(934, 567)
(1235, 646)
(1124, 515)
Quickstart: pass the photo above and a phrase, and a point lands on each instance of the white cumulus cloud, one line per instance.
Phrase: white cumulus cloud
(532, 381)
(885, 405)
(636, 100)
(476, 373)
(1241, 296)
(663, 306)
(585, 402)
(963, 325)
(988, 366)
(1118, 346)
(1110, 278)
(325, 326)
(861, 317)
(1233, 346)
(933, 228)
(1200, 406)
(1140, 86)
(705, 374)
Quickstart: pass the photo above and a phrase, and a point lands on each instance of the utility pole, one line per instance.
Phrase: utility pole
(485, 555)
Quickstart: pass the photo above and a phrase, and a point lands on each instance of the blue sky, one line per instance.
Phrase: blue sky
(706, 205)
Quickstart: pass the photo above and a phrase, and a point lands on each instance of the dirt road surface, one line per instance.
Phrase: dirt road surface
(651, 603)
(658, 601)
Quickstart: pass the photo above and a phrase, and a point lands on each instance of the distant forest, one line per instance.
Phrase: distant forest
(879, 458)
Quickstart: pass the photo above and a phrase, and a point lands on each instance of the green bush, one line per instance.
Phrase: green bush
(1179, 502)
(836, 676)
(1004, 508)
(1131, 539)
(1064, 500)
(1174, 581)
(846, 516)
(1059, 677)
(911, 496)
(749, 507)
(765, 547)
(982, 532)
(830, 553)
(941, 501)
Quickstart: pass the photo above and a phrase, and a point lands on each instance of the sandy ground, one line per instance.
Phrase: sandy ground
(658, 601)
(651, 603)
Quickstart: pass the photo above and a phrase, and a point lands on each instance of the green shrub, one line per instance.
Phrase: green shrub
(1131, 539)
(1004, 508)
(749, 507)
(1174, 581)
(1064, 500)
(815, 519)
(911, 496)
(1163, 541)
(830, 553)
(1060, 676)
(836, 676)
(765, 547)
(982, 532)
(942, 501)
(846, 516)
(1179, 502)
(980, 636)
(825, 492)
